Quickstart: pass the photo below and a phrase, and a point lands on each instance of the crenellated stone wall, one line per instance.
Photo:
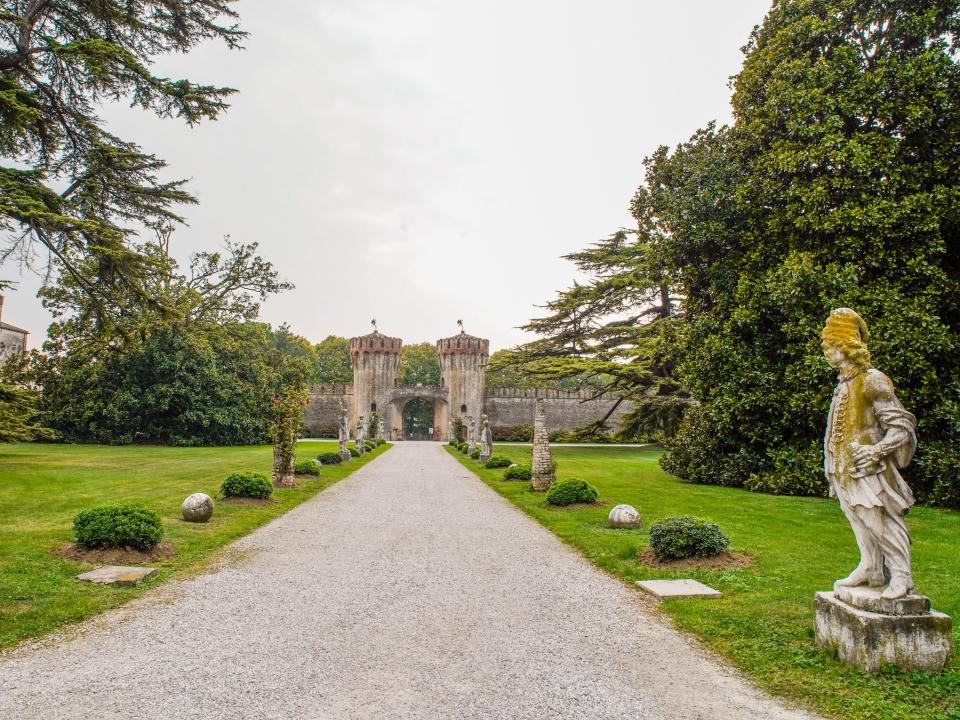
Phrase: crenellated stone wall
(564, 409)
(322, 415)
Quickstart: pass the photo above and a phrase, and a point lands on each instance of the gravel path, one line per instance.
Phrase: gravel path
(408, 590)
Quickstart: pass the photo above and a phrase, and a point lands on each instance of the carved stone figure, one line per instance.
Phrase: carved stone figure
(486, 439)
(873, 617)
(471, 433)
(344, 433)
(360, 436)
(869, 438)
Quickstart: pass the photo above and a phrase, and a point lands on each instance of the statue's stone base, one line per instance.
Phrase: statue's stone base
(868, 631)
(345, 455)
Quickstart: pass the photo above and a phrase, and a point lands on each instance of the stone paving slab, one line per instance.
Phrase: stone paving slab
(407, 590)
(117, 575)
(685, 588)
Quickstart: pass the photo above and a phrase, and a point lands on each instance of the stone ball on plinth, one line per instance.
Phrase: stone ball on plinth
(197, 508)
(624, 516)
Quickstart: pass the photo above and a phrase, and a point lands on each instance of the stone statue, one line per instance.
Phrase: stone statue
(873, 618)
(361, 448)
(343, 434)
(486, 439)
(472, 434)
(869, 438)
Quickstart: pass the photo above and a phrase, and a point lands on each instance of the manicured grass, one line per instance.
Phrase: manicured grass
(44, 486)
(764, 621)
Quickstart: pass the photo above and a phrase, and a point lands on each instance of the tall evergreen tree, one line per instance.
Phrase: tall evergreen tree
(68, 187)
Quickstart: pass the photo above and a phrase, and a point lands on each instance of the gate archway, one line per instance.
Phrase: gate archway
(418, 419)
(426, 405)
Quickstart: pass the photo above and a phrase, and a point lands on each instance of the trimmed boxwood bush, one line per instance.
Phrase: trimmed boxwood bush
(568, 492)
(685, 536)
(353, 452)
(249, 485)
(498, 461)
(517, 472)
(306, 467)
(464, 448)
(117, 526)
(330, 458)
(476, 453)
(381, 441)
(370, 444)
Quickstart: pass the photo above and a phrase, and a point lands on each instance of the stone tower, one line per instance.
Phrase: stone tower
(375, 359)
(463, 360)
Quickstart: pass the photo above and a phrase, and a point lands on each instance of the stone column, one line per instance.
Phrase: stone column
(543, 471)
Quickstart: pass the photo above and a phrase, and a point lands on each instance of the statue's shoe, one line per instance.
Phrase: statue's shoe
(899, 587)
(857, 577)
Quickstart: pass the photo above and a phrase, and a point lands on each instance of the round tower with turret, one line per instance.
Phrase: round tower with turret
(463, 360)
(375, 359)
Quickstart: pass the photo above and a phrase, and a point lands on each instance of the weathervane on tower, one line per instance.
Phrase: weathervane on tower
(460, 323)
(374, 323)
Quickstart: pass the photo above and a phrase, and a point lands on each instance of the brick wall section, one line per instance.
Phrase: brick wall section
(542, 473)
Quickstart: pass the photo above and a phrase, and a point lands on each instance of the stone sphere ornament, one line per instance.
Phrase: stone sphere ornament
(624, 516)
(197, 508)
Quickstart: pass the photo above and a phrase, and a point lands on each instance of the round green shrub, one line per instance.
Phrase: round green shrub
(353, 452)
(498, 461)
(517, 472)
(116, 526)
(685, 536)
(370, 444)
(329, 458)
(381, 441)
(568, 492)
(464, 448)
(249, 485)
(306, 467)
(476, 453)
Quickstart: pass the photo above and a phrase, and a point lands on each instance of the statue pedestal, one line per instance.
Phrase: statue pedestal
(868, 631)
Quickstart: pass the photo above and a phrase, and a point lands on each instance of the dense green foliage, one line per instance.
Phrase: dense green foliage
(18, 415)
(684, 536)
(838, 184)
(475, 453)
(763, 621)
(247, 485)
(332, 361)
(353, 451)
(517, 472)
(568, 492)
(329, 458)
(419, 365)
(306, 467)
(191, 368)
(498, 461)
(69, 187)
(118, 526)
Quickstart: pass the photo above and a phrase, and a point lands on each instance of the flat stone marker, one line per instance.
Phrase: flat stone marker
(661, 589)
(117, 575)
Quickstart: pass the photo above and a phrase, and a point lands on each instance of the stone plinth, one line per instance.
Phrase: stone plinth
(685, 588)
(869, 631)
(117, 575)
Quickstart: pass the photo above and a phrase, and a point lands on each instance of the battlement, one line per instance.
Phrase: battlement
(463, 344)
(581, 395)
(375, 342)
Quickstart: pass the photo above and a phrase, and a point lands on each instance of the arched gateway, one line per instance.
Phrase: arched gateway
(376, 358)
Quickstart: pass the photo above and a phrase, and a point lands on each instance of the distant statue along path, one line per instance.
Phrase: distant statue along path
(409, 589)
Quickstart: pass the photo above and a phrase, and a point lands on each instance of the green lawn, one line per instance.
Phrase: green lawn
(44, 486)
(764, 621)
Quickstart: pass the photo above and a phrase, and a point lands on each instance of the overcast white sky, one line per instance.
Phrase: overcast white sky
(420, 161)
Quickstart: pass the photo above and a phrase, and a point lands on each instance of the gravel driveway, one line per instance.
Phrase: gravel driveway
(408, 590)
